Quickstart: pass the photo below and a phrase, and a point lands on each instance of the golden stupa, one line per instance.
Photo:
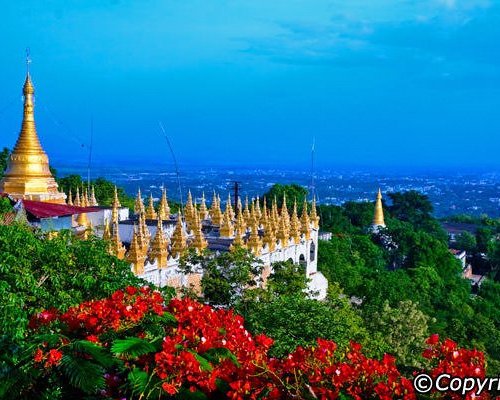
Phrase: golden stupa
(378, 217)
(28, 175)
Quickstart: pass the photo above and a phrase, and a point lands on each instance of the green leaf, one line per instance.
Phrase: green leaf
(186, 394)
(98, 353)
(83, 374)
(216, 355)
(138, 381)
(132, 347)
(204, 363)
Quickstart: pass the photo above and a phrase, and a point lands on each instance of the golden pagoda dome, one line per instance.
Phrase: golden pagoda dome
(28, 174)
(164, 209)
(150, 210)
(178, 238)
(305, 223)
(378, 217)
(159, 245)
(82, 219)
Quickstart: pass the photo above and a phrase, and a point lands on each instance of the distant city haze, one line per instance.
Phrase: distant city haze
(376, 83)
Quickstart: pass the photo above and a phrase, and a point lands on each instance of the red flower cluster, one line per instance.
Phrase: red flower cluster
(209, 350)
(448, 358)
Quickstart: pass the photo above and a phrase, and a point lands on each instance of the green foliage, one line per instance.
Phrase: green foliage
(4, 158)
(5, 205)
(466, 241)
(287, 279)
(402, 330)
(292, 192)
(134, 347)
(36, 274)
(225, 276)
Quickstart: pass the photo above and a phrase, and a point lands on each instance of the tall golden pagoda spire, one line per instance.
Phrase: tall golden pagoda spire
(70, 198)
(295, 225)
(116, 201)
(107, 231)
(269, 236)
(136, 255)
(226, 228)
(159, 245)
(150, 210)
(164, 208)
(178, 238)
(254, 242)
(229, 208)
(138, 205)
(28, 175)
(189, 209)
(314, 215)
(305, 223)
(77, 198)
(378, 217)
(199, 242)
(215, 211)
(117, 245)
(203, 207)
(238, 233)
(93, 200)
(246, 212)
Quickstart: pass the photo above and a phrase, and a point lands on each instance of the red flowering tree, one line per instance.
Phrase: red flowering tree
(134, 345)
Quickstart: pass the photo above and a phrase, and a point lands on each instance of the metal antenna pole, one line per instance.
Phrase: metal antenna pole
(236, 196)
(90, 150)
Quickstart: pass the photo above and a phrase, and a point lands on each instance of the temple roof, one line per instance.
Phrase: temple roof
(40, 209)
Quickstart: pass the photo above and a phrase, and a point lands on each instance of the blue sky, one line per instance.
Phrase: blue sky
(376, 82)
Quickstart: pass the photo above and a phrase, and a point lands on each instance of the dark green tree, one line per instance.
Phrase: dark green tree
(292, 192)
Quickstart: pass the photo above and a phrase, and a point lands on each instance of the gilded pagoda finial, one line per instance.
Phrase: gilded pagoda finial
(150, 210)
(159, 245)
(93, 200)
(378, 217)
(139, 205)
(295, 225)
(305, 223)
(70, 198)
(314, 215)
(178, 238)
(136, 254)
(203, 207)
(199, 242)
(164, 209)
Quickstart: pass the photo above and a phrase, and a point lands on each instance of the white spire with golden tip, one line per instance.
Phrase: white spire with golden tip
(378, 217)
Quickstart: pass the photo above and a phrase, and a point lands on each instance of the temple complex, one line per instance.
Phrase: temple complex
(153, 240)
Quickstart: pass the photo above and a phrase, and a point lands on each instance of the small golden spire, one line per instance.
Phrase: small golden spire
(199, 242)
(284, 213)
(247, 216)
(378, 217)
(314, 215)
(295, 225)
(139, 205)
(254, 242)
(240, 206)
(264, 216)
(215, 211)
(107, 231)
(226, 228)
(282, 233)
(229, 208)
(83, 198)
(257, 208)
(164, 209)
(93, 200)
(305, 223)
(116, 200)
(136, 255)
(269, 236)
(144, 227)
(178, 238)
(159, 245)
(189, 209)
(117, 246)
(70, 198)
(239, 233)
(77, 198)
(150, 211)
(114, 213)
(203, 208)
